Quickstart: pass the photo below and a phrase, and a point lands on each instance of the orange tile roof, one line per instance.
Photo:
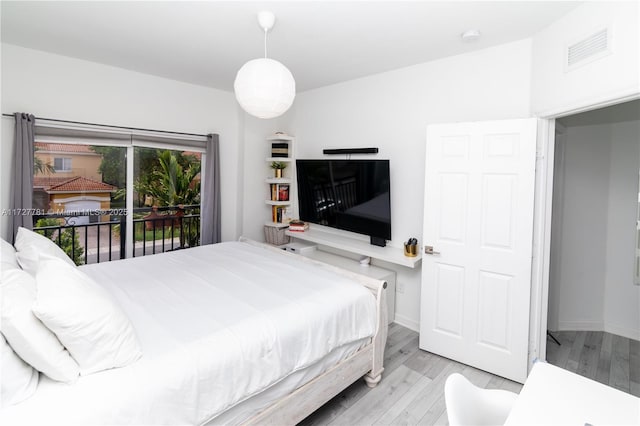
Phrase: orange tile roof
(74, 184)
(198, 155)
(48, 181)
(63, 147)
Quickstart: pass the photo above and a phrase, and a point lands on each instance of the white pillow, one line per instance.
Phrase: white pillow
(19, 379)
(28, 337)
(30, 245)
(95, 331)
(8, 255)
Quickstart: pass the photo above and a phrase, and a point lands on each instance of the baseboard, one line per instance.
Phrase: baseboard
(580, 326)
(407, 322)
(629, 333)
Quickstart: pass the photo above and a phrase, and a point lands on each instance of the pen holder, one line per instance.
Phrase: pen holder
(410, 250)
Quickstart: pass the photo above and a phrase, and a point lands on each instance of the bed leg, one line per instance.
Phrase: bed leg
(373, 377)
(372, 381)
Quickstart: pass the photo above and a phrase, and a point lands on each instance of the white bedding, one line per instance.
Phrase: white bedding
(218, 324)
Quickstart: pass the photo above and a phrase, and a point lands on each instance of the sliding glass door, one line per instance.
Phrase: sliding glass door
(107, 196)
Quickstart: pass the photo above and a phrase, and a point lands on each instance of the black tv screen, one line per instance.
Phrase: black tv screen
(352, 195)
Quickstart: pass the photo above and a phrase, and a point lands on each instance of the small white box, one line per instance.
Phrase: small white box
(300, 248)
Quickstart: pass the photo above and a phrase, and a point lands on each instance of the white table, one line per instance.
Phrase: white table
(555, 396)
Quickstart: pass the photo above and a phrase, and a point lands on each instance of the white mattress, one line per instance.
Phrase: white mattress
(218, 325)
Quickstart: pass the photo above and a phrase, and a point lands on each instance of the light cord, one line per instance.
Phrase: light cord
(265, 42)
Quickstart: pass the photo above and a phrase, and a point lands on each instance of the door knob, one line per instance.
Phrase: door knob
(429, 250)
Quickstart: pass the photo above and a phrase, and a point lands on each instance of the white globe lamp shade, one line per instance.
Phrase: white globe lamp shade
(264, 88)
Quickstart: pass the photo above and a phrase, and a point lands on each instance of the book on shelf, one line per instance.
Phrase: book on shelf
(298, 226)
(286, 215)
(279, 150)
(279, 191)
(279, 214)
(283, 192)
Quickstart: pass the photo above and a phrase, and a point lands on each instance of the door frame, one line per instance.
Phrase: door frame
(540, 261)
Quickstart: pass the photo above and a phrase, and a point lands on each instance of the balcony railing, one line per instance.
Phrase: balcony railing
(90, 238)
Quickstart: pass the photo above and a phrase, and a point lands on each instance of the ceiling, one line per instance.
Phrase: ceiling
(321, 42)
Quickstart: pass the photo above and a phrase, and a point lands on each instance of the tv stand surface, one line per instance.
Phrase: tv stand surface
(354, 245)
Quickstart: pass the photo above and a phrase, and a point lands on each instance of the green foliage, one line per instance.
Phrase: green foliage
(172, 183)
(170, 178)
(40, 167)
(190, 232)
(113, 166)
(167, 176)
(67, 239)
(278, 165)
(190, 236)
(193, 235)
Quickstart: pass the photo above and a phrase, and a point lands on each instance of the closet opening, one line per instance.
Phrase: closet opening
(594, 268)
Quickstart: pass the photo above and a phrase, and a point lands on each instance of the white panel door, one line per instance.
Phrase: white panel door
(478, 217)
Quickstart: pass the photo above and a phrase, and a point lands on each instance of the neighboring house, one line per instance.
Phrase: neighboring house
(70, 160)
(76, 184)
(64, 194)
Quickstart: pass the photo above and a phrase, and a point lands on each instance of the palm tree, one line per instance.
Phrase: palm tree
(173, 184)
(40, 167)
(173, 181)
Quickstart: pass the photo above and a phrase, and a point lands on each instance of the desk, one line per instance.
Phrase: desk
(552, 395)
(354, 243)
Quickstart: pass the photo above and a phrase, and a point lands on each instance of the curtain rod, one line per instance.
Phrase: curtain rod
(114, 127)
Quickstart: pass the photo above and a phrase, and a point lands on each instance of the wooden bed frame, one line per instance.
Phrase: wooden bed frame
(367, 362)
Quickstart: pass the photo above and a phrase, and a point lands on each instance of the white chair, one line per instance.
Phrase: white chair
(468, 404)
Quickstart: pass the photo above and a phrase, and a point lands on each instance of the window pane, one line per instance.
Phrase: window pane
(80, 194)
(166, 200)
(79, 197)
(61, 164)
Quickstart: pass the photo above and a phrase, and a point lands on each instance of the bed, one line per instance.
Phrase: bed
(231, 333)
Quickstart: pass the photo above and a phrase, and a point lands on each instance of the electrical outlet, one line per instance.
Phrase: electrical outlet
(400, 288)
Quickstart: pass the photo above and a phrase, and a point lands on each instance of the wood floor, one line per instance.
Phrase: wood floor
(605, 357)
(410, 393)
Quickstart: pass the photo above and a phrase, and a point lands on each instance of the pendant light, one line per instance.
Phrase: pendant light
(264, 87)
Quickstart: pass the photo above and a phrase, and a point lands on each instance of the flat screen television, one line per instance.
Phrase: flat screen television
(352, 195)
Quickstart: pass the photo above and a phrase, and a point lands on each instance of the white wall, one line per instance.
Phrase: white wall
(577, 291)
(54, 86)
(256, 149)
(622, 297)
(592, 287)
(391, 111)
(554, 90)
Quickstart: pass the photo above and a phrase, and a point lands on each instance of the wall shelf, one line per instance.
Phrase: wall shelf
(279, 159)
(276, 224)
(278, 203)
(280, 138)
(354, 245)
(279, 188)
(278, 180)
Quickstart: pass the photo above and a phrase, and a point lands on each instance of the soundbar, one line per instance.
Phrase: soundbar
(350, 151)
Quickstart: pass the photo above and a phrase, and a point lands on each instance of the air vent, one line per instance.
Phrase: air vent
(589, 49)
